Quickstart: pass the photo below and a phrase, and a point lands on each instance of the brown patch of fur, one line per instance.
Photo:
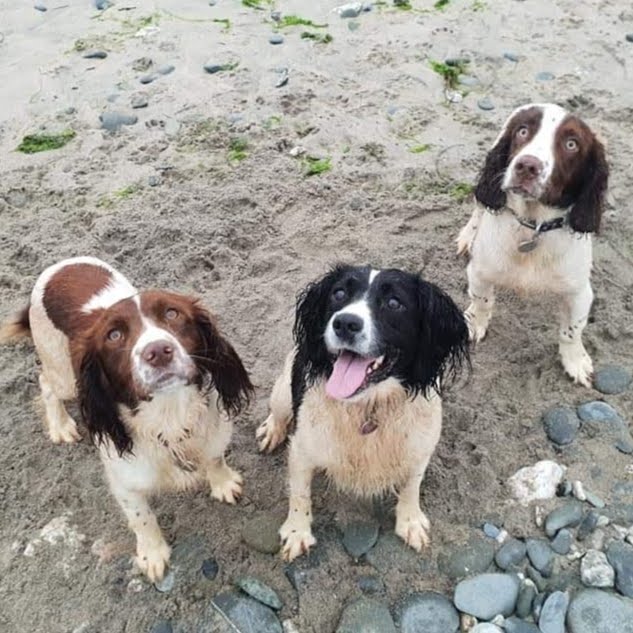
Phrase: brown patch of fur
(18, 326)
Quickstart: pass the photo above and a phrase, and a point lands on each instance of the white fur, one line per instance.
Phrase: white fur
(364, 340)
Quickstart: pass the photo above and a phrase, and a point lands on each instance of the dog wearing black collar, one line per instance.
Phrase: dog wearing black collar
(539, 198)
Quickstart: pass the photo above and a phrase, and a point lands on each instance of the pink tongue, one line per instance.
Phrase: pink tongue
(347, 376)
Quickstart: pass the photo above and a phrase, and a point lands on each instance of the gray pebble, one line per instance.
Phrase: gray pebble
(625, 445)
(359, 537)
(535, 576)
(563, 489)
(587, 525)
(429, 612)
(261, 533)
(112, 121)
(512, 57)
(490, 530)
(367, 7)
(40, 7)
(620, 557)
(164, 626)
(594, 499)
(562, 542)
(527, 593)
(154, 181)
(568, 515)
(167, 583)
(352, 10)
(366, 616)
(487, 595)
(561, 425)
(260, 591)
(390, 552)
(612, 379)
(147, 79)
(474, 557)
(598, 411)
(544, 76)
(595, 611)
(102, 4)
(486, 627)
(275, 16)
(282, 78)
(353, 25)
(276, 38)
(213, 67)
(629, 37)
(541, 556)
(165, 69)
(537, 605)
(456, 61)
(139, 100)
(246, 614)
(210, 567)
(371, 585)
(514, 625)
(468, 80)
(486, 104)
(95, 54)
(595, 570)
(552, 618)
(511, 554)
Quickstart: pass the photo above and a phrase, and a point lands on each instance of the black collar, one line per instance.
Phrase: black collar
(539, 227)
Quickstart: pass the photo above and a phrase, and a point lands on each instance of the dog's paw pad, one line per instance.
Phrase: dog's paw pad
(270, 435)
(228, 490)
(297, 540)
(153, 560)
(414, 531)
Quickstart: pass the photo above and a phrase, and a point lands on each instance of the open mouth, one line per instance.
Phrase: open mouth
(353, 373)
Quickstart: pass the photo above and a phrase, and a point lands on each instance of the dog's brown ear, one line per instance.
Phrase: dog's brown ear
(586, 213)
(488, 189)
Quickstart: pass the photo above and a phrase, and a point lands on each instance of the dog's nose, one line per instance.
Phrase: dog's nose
(528, 167)
(158, 353)
(347, 326)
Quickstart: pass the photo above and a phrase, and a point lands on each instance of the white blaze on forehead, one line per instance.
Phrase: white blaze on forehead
(118, 288)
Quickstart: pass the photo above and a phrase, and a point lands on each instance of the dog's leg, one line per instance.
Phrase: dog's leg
(61, 427)
(482, 296)
(468, 233)
(574, 314)
(274, 429)
(296, 532)
(152, 552)
(226, 483)
(412, 525)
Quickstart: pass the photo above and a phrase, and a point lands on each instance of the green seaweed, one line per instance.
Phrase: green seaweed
(317, 37)
(225, 21)
(420, 149)
(449, 72)
(460, 191)
(237, 150)
(295, 20)
(256, 4)
(316, 166)
(441, 4)
(33, 143)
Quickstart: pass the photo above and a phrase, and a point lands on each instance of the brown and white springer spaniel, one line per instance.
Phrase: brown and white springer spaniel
(539, 197)
(151, 372)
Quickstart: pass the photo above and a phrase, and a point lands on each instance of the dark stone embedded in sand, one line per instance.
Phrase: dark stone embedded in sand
(112, 121)
(139, 100)
(595, 611)
(247, 614)
(510, 56)
(154, 181)
(629, 37)
(541, 556)
(561, 425)
(275, 16)
(210, 568)
(261, 533)
(213, 67)
(487, 595)
(598, 411)
(102, 4)
(390, 552)
(474, 557)
(562, 542)
(564, 489)
(568, 515)
(486, 104)
(527, 593)
(587, 526)
(429, 612)
(514, 625)
(165, 69)
(552, 618)
(620, 557)
(612, 379)
(147, 79)
(164, 626)
(40, 7)
(544, 76)
(95, 54)
(260, 591)
(297, 576)
(167, 583)
(276, 38)
(359, 537)
(370, 584)
(366, 616)
(511, 554)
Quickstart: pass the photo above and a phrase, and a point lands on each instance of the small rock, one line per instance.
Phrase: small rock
(139, 100)
(367, 7)
(261, 533)
(490, 530)
(142, 64)
(429, 612)
(353, 25)
(40, 7)
(537, 605)
(629, 37)
(544, 75)
(246, 614)
(514, 625)
(598, 411)
(552, 618)
(512, 57)
(282, 79)
(260, 591)
(511, 554)
(136, 585)
(102, 4)
(603, 521)
(568, 515)
(167, 583)
(165, 69)
(587, 526)
(562, 542)
(535, 576)
(351, 10)
(620, 556)
(210, 567)
(370, 585)
(561, 425)
(276, 38)
(154, 181)
(366, 616)
(541, 556)
(164, 626)
(612, 379)
(486, 627)
(468, 80)
(594, 499)
(213, 67)
(487, 595)
(563, 489)
(536, 482)
(390, 552)
(578, 490)
(275, 16)
(595, 570)
(486, 104)
(624, 445)
(112, 121)
(474, 557)
(359, 537)
(527, 593)
(147, 79)
(595, 611)
(95, 54)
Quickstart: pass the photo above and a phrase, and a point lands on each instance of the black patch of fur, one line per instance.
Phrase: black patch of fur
(488, 190)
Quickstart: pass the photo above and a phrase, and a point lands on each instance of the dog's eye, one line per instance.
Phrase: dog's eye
(393, 303)
(171, 314)
(523, 131)
(339, 294)
(115, 335)
(571, 145)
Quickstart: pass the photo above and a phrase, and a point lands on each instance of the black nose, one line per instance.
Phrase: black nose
(528, 167)
(158, 353)
(347, 326)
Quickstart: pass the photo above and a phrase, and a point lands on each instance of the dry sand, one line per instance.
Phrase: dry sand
(246, 236)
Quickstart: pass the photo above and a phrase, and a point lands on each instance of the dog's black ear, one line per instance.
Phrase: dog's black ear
(99, 405)
(586, 213)
(488, 190)
(443, 346)
(218, 362)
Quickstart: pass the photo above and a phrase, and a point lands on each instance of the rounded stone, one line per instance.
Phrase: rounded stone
(261, 533)
(370, 584)
(391, 552)
(612, 379)
(359, 537)
(620, 557)
(562, 542)
(147, 79)
(595, 611)
(510, 56)
(351, 10)
(40, 7)
(552, 618)
(485, 104)
(514, 625)
(428, 612)
(366, 616)
(511, 554)
(247, 614)
(541, 556)
(544, 75)
(487, 595)
(527, 593)
(598, 411)
(276, 38)
(629, 37)
(561, 425)
(486, 627)
(139, 101)
(112, 121)
(533, 483)
(595, 570)
(468, 80)
(164, 626)
(213, 67)
(587, 525)
(95, 54)
(491, 530)
(474, 557)
(167, 583)
(260, 591)
(165, 69)
(568, 515)
(210, 568)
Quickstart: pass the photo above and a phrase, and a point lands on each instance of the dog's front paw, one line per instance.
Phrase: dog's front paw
(227, 489)
(152, 559)
(464, 240)
(477, 325)
(63, 431)
(577, 363)
(270, 435)
(297, 539)
(413, 528)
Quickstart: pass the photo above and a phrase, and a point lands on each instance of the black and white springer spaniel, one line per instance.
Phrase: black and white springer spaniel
(539, 197)
(372, 350)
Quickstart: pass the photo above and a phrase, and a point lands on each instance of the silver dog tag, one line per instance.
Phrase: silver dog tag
(529, 245)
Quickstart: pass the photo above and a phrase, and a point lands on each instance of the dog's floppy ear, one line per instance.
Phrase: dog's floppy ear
(488, 190)
(586, 213)
(443, 346)
(99, 405)
(218, 361)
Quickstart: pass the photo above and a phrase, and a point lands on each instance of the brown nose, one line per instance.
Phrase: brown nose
(158, 353)
(528, 167)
